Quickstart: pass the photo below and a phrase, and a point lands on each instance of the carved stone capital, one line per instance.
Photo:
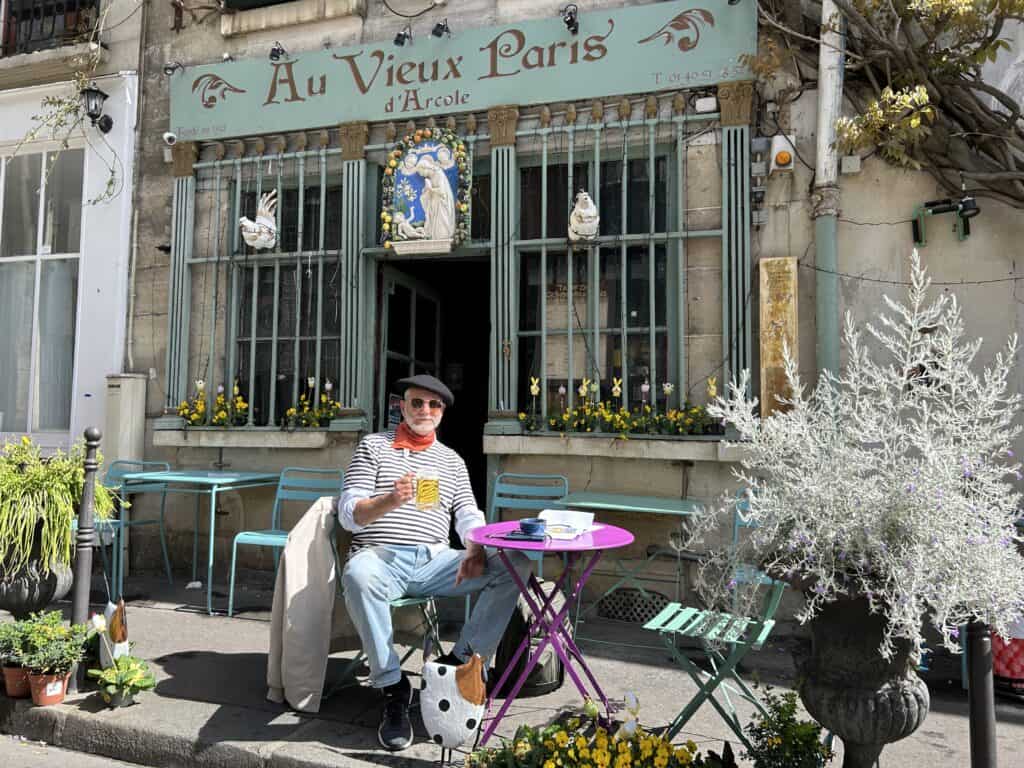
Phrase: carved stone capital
(184, 155)
(353, 140)
(735, 101)
(502, 122)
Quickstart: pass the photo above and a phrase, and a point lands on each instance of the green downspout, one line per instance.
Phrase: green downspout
(826, 189)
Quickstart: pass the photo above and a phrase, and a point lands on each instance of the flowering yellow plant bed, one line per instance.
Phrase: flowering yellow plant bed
(227, 411)
(579, 743)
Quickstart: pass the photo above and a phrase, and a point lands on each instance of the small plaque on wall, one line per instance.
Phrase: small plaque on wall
(778, 294)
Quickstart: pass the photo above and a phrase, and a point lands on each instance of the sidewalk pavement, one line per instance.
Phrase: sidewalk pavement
(210, 707)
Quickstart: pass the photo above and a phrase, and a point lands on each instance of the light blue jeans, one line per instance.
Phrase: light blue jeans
(375, 576)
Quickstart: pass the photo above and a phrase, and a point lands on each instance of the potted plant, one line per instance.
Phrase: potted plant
(885, 495)
(15, 676)
(120, 682)
(51, 651)
(39, 498)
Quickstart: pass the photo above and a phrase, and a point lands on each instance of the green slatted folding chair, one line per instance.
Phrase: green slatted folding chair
(716, 631)
(296, 484)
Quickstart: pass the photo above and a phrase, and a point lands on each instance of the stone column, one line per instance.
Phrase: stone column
(353, 194)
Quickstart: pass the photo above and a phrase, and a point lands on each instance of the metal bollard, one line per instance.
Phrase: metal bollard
(84, 545)
(981, 696)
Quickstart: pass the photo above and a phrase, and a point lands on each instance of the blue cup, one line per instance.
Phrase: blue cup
(532, 526)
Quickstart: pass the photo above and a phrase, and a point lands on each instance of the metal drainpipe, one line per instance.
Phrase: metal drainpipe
(826, 188)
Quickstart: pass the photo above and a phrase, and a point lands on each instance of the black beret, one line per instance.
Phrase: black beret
(425, 381)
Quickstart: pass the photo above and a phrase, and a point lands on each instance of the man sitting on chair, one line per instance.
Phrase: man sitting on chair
(400, 548)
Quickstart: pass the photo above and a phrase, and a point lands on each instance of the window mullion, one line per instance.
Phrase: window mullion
(623, 267)
(320, 271)
(211, 365)
(32, 420)
(651, 309)
(252, 342)
(299, 248)
(570, 298)
(680, 226)
(232, 306)
(543, 281)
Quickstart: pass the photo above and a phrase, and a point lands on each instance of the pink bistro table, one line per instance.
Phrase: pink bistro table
(548, 625)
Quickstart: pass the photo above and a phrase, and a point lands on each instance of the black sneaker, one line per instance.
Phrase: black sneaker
(395, 731)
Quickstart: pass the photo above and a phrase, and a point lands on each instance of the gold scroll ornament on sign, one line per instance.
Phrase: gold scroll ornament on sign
(778, 327)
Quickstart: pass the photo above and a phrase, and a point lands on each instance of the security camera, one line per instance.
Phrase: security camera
(170, 139)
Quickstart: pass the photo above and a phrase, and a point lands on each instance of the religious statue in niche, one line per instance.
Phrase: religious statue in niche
(262, 233)
(425, 196)
(584, 219)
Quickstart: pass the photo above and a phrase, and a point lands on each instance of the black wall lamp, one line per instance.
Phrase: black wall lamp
(92, 104)
(571, 18)
(966, 208)
(403, 37)
(441, 29)
(277, 52)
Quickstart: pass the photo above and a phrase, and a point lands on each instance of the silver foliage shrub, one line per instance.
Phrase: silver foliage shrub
(892, 481)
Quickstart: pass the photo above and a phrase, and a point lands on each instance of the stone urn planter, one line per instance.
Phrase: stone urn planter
(29, 589)
(852, 690)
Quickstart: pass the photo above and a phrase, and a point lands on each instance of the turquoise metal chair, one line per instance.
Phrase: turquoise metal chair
(114, 480)
(296, 484)
(429, 626)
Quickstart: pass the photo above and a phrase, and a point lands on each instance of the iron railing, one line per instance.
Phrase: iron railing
(38, 25)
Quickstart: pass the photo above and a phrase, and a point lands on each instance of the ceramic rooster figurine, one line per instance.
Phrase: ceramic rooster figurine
(262, 233)
(584, 219)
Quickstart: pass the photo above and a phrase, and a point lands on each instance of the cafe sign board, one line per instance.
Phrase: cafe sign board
(658, 47)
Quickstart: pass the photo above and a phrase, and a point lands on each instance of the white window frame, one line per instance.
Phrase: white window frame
(37, 259)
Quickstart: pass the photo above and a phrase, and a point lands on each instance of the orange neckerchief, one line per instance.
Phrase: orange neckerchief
(406, 438)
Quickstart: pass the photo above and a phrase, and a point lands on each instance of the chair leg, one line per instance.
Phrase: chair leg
(163, 539)
(195, 540)
(231, 585)
(119, 553)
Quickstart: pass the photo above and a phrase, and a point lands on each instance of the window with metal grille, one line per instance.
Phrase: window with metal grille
(36, 25)
(609, 309)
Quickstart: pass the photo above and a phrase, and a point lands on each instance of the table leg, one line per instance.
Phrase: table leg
(209, 559)
(195, 540)
(549, 625)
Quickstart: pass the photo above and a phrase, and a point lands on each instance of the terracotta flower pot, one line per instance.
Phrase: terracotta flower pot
(48, 689)
(16, 682)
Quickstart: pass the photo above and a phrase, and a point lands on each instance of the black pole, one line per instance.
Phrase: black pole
(981, 696)
(84, 545)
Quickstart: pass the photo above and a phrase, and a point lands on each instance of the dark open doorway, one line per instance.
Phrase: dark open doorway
(435, 318)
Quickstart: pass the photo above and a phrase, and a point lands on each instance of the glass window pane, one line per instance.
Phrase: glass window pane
(17, 288)
(286, 301)
(245, 302)
(310, 289)
(21, 206)
(529, 291)
(265, 303)
(260, 404)
(58, 300)
(560, 202)
(285, 379)
(610, 312)
(480, 197)
(332, 297)
(62, 224)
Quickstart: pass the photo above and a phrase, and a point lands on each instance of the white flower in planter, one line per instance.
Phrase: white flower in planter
(885, 483)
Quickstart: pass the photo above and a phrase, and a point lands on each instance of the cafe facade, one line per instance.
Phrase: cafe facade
(542, 216)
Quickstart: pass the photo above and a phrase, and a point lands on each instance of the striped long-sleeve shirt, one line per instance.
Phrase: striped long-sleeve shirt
(375, 467)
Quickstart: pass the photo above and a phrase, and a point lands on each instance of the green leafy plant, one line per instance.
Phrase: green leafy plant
(128, 675)
(310, 413)
(36, 489)
(50, 646)
(779, 740)
(11, 642)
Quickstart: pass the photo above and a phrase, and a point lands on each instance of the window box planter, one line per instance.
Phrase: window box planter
(658, 447)
(240, 437)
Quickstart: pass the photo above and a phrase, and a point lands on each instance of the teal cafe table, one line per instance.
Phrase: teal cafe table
(205, 482)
